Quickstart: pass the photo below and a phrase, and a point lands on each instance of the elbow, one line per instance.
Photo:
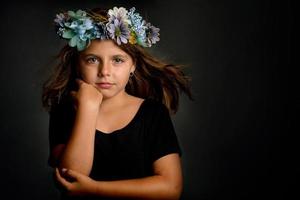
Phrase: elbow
(78, 167)
(174, 191)
(83, 169)
(58, 159)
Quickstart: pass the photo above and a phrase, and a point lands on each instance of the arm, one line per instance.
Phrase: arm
(166, 183)
(77, 153)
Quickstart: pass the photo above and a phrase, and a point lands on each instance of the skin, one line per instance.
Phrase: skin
(108, 109)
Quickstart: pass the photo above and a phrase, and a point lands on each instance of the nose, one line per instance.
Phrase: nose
(104, 69)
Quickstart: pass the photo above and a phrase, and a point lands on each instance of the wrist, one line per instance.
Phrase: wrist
(94, 187)
(88, 107)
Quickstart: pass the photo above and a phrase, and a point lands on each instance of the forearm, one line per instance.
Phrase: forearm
(79, 150)
(153, 187)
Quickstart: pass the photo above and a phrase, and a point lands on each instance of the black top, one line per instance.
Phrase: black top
(128, 152)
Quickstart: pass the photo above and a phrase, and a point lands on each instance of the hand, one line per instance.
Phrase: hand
(87, 95)
(74, 183)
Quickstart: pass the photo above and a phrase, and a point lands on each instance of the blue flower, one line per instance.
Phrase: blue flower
(99, 31)
(118, 30)
(76, 27)
(79, 28)
(138, 25)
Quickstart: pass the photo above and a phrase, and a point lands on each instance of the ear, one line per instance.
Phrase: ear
(132, 69)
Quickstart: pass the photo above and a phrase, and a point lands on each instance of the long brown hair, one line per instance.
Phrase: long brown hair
(152, 78)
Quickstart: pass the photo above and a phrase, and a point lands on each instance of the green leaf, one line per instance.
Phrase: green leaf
(68, 34)
(80, 13)
(81, 45)
(73, 41)
(71, 13)
(141, 42)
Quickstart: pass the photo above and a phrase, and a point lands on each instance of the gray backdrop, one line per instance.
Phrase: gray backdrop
(237, 53)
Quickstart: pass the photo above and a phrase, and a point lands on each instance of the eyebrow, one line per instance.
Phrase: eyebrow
(98, 56)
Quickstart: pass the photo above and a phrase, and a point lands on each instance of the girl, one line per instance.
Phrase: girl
(109, 101)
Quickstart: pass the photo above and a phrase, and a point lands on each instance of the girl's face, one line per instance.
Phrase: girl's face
(106, 66)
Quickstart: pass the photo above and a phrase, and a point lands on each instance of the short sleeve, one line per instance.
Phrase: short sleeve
(60, 124)
(162, 139)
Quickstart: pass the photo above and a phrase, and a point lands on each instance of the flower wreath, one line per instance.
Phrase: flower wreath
(81, 27)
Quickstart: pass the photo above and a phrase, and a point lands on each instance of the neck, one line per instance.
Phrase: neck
(114, 102)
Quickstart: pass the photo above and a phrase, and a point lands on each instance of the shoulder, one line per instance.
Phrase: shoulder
(155, 108)
(148, 103)
(63, 108)
(155, 104)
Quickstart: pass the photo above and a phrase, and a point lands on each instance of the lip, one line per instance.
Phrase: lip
(104, 85)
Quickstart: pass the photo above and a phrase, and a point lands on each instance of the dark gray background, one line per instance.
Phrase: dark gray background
(237, 53)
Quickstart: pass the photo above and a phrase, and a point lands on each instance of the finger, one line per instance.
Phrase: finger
(72, 174)
(61, 180)
(57, 184)
(73, 94)
(97, 88)
(79, 81)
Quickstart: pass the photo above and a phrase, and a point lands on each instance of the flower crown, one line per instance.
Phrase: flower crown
(118, 24)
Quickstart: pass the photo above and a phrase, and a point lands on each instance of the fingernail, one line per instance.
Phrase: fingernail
(63, 170)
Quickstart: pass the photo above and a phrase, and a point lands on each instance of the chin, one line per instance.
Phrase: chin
(107, 95)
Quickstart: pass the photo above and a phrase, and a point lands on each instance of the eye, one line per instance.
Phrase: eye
(118, 60)
(92, 60)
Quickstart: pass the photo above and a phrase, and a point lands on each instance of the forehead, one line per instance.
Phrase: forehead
(104, 48)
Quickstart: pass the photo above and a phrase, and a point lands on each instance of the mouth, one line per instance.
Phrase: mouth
(104, 85)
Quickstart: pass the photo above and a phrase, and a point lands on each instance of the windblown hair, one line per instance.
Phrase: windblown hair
(152, 78)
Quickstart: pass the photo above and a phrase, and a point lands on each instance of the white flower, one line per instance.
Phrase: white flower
(118, 13)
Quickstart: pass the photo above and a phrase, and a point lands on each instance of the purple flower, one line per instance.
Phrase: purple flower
(152, 34)
(119, 31)
(121, 26)
(60, 19)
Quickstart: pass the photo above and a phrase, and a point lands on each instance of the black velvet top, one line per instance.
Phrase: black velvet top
(126, 153)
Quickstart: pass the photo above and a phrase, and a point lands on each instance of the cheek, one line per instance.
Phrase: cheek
(123, 76)
(88, 74)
